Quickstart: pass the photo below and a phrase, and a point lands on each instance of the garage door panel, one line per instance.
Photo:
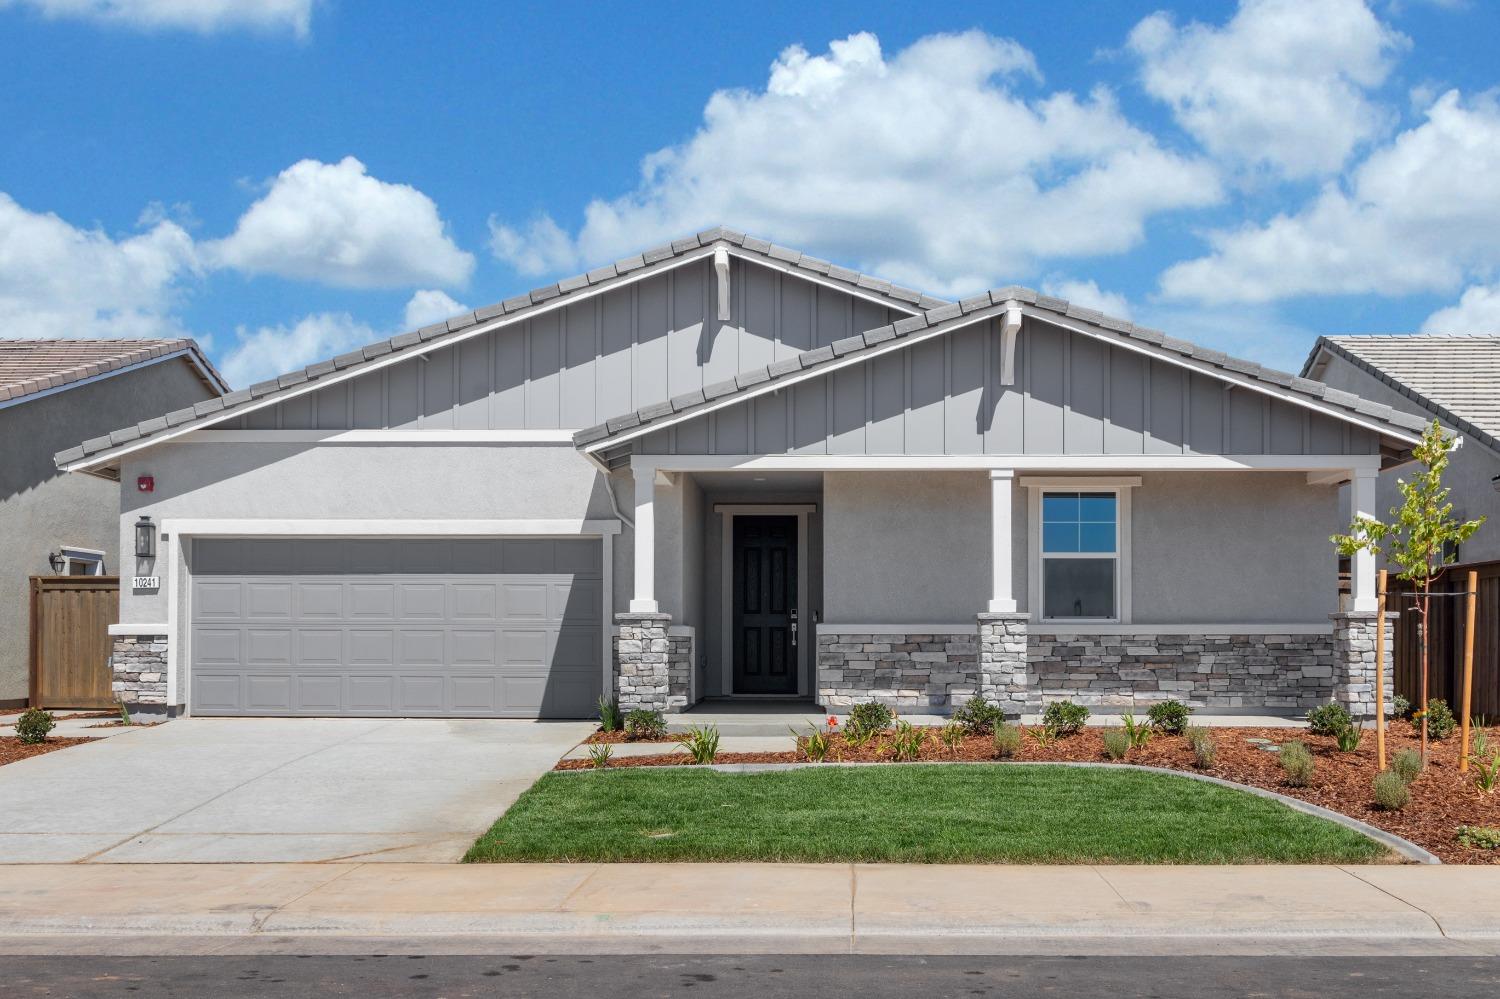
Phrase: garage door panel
(491, 627)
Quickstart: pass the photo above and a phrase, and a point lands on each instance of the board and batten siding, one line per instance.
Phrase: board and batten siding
(1074, 395)
(587, 362)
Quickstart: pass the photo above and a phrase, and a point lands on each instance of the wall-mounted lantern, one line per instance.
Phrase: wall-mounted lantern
(56, 561)
(145, 538)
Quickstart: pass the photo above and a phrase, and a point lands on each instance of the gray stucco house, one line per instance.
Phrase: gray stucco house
(52, 393)
(724, 468)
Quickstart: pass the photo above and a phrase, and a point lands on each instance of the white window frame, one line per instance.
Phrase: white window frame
(1121, 488)
(92, 557)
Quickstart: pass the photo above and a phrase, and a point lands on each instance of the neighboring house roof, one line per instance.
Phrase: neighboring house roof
(955, 315)
(1454, 376)
(32, 367)
(99, 450)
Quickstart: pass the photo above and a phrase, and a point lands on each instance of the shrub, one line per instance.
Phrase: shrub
(1440, 720)
(1064, 717)
(1390, 791)
(1400, 706)
(1116, 743)
(815, 744)
(1407, 765)
(599, 754)
(1480, 837)
(1298, 763)
(952, 736)
(870, 718)
(1139, 733)
(1042, 736)
(643, 723)
(702, 744)
(1169, 717)
(978, 716)
(907, 742)
(1328, 719)
(33, 725)
(1007, 741)
(609, 714)
(1487, 773)
(1205, 746)
(1348, 738)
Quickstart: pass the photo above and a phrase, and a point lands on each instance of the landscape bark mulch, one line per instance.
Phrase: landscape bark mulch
(1442, 799)
(13, 750)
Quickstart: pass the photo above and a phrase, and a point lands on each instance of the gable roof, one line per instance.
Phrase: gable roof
(99, 451)
(31, 367)
(941, 320)
(1454, 376)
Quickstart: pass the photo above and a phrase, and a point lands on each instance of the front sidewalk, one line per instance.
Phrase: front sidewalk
(745, 908)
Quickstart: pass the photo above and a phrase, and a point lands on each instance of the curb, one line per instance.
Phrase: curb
(1404, 847)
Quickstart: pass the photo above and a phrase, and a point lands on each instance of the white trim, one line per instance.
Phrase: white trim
(375, 437)
(91, 558)
(1036, 488)
(768, 509)
(970, 628)
(1361, 498)
(274, 527)
(1002, 582)
(141, 629)
(643, 597)
(806, 659)
(1107, 463)
(1063, 630)
(1080, 481)
(185, 352)
(82, 550)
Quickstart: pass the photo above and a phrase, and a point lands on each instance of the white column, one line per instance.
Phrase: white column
(644, 599)
(1362, 567)
(1002, 588)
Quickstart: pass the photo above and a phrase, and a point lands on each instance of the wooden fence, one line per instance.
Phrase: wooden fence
(70, 643)
(1446, 650)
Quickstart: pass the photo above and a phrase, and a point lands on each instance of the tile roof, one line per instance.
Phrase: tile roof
(428, 337)
(1454, 376)
(31, 366)
(956, 314)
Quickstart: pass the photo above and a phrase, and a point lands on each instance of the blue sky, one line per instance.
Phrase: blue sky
(284, 179)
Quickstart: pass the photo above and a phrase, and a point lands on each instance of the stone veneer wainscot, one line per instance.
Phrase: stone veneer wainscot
(139, 668)
(913, 671)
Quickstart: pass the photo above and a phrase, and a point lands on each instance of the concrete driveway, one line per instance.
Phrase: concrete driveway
(272, 789)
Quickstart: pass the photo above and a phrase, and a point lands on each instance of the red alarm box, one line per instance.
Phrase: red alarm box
(145, 484)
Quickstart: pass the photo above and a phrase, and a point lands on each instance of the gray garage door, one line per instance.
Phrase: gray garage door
(493, 627)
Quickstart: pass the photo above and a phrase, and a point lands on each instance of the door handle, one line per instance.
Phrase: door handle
(794, 627)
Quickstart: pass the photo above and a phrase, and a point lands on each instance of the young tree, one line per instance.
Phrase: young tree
(1423, 536)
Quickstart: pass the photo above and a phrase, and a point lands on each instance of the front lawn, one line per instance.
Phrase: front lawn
(947, 813)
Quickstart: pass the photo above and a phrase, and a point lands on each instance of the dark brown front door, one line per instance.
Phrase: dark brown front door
(765, 605)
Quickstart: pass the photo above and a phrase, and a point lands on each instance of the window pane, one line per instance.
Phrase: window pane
(1060, 537)
(1097, 507)
(1059, 507)
(1096, 538)
(1078, 587)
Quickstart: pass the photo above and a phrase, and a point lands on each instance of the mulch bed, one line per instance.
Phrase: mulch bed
(1441, 799)
(13, 750)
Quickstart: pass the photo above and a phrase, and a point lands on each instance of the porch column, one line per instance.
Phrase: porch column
(1362, 566)
(643, 601)
(1002, 585)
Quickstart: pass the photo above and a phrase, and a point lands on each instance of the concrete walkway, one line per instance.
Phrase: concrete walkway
(267, 790)
(740, 908)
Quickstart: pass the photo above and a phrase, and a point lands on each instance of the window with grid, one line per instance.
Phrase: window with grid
(1080, 556)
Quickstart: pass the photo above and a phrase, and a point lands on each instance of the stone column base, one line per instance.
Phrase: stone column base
(642, 661)
(139, 668)
(1004, 673)
(1354, 661)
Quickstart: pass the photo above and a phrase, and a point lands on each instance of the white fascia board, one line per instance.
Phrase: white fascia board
(1080, 481)
(275, 527)
(813, 277)
(185, 354)
(1103, 464)
(376, 437)
(141, 629)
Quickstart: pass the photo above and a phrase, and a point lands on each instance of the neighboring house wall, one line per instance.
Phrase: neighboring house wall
(42, 509)
(574, 366)
(1470, 474)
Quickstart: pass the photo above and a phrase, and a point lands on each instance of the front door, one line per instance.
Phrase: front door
(765, 605)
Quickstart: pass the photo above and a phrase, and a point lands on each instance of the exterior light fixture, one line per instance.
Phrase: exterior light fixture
(56, 561)
(145, 538)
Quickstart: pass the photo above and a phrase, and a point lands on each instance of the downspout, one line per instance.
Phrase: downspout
(609, 490)
(1009, 327)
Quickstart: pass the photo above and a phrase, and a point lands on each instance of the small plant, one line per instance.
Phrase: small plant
(1117, 743)
(609, 714)
(1169, 717)
(1042, 736)
(1400, 706)
(643, 723)
(1328, 719)
(599, 755)
(33, 725)
(1390, 792)
(1479, 739)
(702, 744)
(816, 744)
(1065, 717)
(124, 712)
(1139, 733)
(1487, 773)
(1348, 738)
(952, 736)
(857, 738)
(906, 744)
(1440, 720)
(1479, 837)
(978, 716)
(1205, 747)
(870, 718)
(1297, 762)
(1007, 741)
(1407, 765)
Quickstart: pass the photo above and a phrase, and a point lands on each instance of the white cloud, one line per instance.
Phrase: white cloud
(926, 166)
(1418, 215)
(1283, 84)
(334, 223)
(430, 306)
(1477, 311)
(268, 351)
(205, 16)
(1089, 295)
(57, 280)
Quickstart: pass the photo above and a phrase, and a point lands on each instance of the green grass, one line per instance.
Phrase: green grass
(947, 813)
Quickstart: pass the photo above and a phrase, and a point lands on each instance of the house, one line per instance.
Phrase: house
(1454, 379)
(52, 393)
(724, 468)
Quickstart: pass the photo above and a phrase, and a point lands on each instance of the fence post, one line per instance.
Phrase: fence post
(1469, 600)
